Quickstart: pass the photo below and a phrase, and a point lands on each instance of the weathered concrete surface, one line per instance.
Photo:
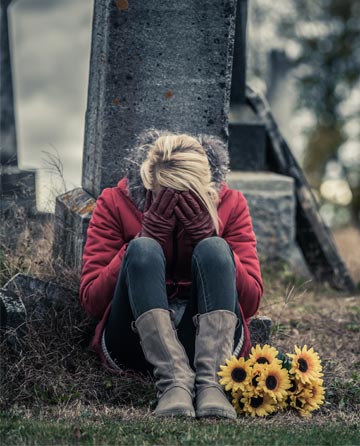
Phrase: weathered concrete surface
(165, 65)
(247, 140)
(25, 298)
(72, 215)
(260, 328)
(159, 64)
(272, 206)
(39, 296)
(18, 189)
(12, 317)
(8, 144)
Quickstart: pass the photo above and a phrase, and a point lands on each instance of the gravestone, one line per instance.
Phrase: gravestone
(247, 138)
(146, 71)
(17, 187)
(165, 65)
(285, 214)
(312, 234)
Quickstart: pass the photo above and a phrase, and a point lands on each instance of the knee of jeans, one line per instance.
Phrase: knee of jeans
(214, 250)
(142, 250)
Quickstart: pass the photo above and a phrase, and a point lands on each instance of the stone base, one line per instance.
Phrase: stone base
(72, 215)
(247, 140)
(260, 328)
(18, 190)
(12, 318)
(272, 206)
(39, 296)
(24, 299)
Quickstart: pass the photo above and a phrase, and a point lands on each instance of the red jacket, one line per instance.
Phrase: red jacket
(116, 220)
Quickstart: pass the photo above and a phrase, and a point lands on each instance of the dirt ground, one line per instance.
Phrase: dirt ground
(57, 376)
(318, 316)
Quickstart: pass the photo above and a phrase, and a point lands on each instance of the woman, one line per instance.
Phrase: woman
(170, 270)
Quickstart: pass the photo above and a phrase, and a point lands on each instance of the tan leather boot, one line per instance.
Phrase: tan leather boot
(173, 374)
(213, 344)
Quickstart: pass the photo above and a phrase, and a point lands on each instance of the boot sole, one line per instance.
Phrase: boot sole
(216, 413)
(176, 413)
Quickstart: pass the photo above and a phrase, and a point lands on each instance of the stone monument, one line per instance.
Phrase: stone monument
(270, 196)
(285, 214)
(136, 83)
(165, 65)
(178, 66)
(17, 187)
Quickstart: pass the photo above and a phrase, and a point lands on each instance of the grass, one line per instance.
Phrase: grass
(148, 431)
(55, 391)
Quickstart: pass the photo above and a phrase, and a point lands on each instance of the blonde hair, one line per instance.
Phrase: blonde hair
(180, 162)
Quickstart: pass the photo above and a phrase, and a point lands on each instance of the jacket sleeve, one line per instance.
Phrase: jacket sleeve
(102, 257)
(240, 236)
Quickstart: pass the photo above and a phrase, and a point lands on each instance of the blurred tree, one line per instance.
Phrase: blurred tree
(328, 70)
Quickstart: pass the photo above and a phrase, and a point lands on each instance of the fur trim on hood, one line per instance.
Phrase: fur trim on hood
(216, 151)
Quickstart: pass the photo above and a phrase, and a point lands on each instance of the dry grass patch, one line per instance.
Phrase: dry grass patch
(56, 376)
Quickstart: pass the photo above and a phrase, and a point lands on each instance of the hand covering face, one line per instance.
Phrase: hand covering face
(158, 218)
(194, 216)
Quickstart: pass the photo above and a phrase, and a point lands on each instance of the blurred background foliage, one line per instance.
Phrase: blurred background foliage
(305, 56)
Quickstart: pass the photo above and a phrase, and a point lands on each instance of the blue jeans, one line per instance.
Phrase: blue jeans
(141, 287)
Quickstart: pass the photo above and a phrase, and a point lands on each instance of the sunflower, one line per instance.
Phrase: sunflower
(261, 405)
(318, 394)
(284, 404)
(263, 355)
(306, 364)
(311, 396)
(299, 395)
(252, 388)
(274, 381)
(235, 374)
(307, 397)
(237, 403)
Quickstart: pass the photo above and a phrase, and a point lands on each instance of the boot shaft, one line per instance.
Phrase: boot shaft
(214, 344)
(162, 349)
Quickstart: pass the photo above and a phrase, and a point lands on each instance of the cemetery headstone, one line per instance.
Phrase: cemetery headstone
(17, 187)
(165, 65)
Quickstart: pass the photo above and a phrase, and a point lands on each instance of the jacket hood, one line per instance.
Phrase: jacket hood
(216, 151)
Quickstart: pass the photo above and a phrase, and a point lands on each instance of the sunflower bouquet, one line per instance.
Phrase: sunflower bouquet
(268, 381)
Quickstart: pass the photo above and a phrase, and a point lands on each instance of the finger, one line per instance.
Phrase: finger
(179, 214)
(186, 209)
(200, 202)
(193, 202)
(156, 203)
(170, 209)
(165, 201)
(147, 200)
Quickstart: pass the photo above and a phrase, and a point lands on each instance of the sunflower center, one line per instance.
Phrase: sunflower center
(238, 375)
(303, 365)
(271, 382)
(254, 381)
(256, 401)
(262, 360)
